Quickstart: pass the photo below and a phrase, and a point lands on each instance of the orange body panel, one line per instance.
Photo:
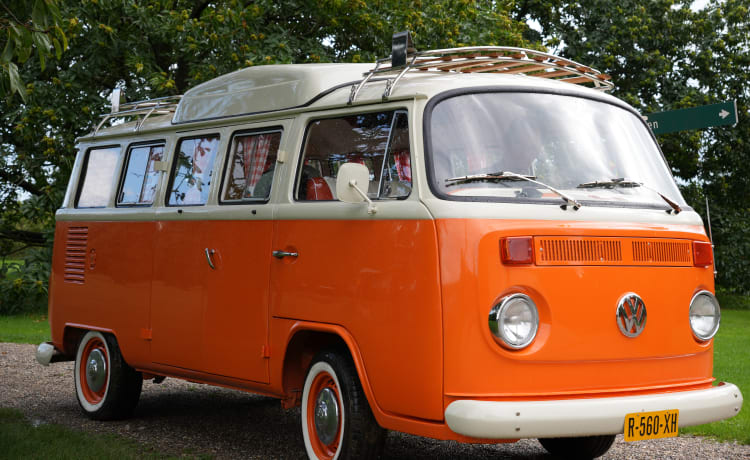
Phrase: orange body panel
(116, 293)
(380, 281)
(213, 320)
(578, 349)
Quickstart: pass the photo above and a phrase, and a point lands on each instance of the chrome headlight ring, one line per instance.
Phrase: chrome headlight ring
(514, 321)
(705, 315)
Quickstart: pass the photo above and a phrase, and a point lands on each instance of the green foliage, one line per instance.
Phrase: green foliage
(32, 329)
(663, 55)
(729, 301)
(28, 26)
(731, 364)
(23, 283)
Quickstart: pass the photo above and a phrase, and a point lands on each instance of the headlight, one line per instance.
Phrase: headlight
(514, 321)
(704, 315)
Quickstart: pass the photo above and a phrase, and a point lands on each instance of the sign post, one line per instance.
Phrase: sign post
(722, 114)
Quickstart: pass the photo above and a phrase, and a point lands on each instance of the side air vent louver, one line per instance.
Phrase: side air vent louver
(76, 245)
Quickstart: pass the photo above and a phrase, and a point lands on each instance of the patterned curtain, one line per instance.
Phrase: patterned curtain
(262, 145)
(403, 165)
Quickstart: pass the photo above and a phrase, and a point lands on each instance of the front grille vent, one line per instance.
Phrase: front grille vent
(661, 251)
(580, 250)
(76, 245)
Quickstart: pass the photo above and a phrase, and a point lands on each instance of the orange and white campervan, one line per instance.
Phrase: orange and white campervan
(474, 244)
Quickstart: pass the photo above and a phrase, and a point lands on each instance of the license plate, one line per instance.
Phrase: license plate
(651, 425)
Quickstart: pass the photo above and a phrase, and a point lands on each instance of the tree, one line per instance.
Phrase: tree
(663, 55)
(162, 47)
(26, 27)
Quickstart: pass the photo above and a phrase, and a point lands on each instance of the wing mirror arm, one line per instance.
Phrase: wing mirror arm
(371, 208)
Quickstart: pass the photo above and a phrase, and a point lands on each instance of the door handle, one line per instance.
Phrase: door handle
(209, 259)
(282, 254)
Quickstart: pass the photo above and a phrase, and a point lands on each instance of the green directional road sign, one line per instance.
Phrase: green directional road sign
(722, 114)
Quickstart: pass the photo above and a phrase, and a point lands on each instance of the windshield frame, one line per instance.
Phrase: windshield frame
(428, 149)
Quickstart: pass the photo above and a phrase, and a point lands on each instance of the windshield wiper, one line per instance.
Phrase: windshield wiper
(627, 183)
(511, 176)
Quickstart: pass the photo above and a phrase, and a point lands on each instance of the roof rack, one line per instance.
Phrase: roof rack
(485, 59)
(146, 108)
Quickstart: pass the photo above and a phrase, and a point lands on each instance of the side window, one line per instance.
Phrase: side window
(141, 176)
(98, 177)
(193, 170)
(250, 168)
(377, 140)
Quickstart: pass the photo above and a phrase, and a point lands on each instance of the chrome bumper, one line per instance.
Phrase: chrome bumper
(585, 417)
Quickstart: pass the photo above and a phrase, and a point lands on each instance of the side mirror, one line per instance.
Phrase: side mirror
(350, 181)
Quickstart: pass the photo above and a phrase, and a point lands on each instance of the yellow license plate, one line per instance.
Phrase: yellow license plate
(651, 425)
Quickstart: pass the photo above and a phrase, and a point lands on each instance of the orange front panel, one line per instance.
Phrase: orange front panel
(579, 348)
(102, 279)
(380, 281)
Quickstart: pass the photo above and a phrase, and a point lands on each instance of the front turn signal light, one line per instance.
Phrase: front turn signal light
(517, 250)
(703, 254)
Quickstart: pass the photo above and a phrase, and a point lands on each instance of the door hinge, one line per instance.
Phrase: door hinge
(265, 352)
(146, 334)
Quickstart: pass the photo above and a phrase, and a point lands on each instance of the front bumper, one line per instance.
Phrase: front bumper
(585, 417)
(47, 353)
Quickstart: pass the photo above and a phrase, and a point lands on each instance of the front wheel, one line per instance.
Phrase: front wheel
(337, 422)
(106, 387)
(585, 447)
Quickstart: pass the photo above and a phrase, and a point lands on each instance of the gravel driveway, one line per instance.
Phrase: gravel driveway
(177, 416)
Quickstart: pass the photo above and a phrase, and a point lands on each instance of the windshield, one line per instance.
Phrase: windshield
(564, 142)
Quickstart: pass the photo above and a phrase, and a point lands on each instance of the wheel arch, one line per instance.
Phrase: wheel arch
(305, 341)
(72, 334)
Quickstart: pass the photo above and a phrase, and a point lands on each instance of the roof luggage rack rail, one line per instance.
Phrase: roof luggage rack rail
(481, 59)
(146, 108)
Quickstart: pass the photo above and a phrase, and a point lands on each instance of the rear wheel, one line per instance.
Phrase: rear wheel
(579, 448)
(106, 387)
(337, 422)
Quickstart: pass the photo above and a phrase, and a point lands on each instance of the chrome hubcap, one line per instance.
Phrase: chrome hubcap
(326, 416)
(96, 370)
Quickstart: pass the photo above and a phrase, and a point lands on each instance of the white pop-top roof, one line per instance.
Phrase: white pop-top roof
(264, 88)
(270, 88)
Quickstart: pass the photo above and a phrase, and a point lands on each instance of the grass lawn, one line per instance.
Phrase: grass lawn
(24, 329)
(22, 440)
(731, 364)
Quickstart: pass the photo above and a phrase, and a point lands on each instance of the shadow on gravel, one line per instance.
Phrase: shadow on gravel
(231, 424)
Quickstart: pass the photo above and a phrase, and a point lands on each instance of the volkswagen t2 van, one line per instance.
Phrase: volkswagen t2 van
(474, 244)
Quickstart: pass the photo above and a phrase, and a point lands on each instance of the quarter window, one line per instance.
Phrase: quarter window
(98, 177)
(252, 162)
(141, 175)
(193, 170)
(377, 140)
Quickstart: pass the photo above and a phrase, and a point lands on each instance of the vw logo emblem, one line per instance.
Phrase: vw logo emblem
(631, 314)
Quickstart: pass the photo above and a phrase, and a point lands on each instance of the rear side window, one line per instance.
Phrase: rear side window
(377, 140)
(141, 175)
(193, 170)
(251, 165)
(98, 177)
